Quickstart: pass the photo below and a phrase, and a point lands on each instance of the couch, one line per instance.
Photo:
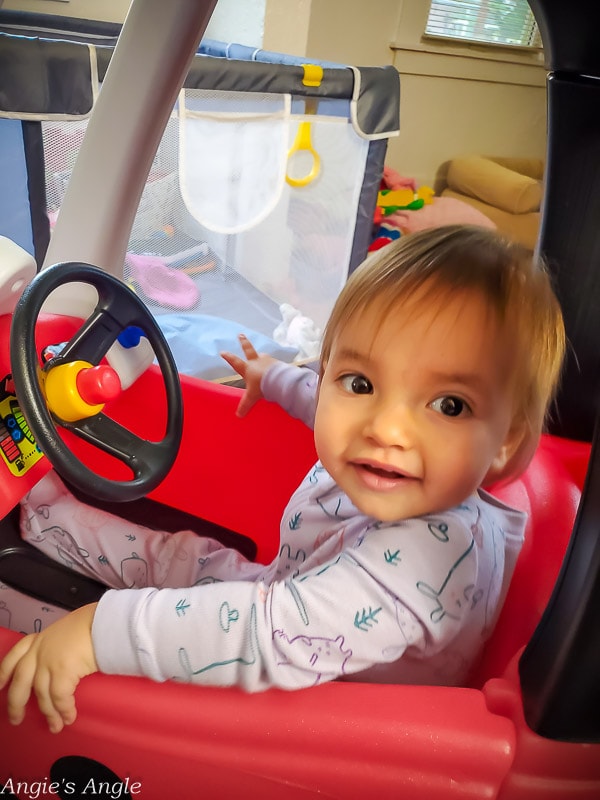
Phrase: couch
(507, 190)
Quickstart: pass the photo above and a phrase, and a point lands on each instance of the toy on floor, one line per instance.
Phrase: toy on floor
(298, 331)
(385, 235)
(396, 194)
(192, 261)
(161, 283)
(391, 200)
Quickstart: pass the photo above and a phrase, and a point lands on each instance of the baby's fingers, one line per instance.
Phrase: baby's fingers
(247, 347)
(56, 699)
(235, 362)
(19, 690)
(246, 403)
(12, 658)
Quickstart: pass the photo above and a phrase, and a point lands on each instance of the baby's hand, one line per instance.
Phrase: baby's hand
(251, 370)
(50, 663)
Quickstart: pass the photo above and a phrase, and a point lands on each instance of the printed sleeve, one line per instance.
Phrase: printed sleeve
(400, 588)
(294, 389)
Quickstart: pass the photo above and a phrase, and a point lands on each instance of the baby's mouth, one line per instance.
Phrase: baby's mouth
(383, 472)
(378, 477)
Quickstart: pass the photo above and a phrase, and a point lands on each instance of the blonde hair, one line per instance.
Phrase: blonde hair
(426, 266)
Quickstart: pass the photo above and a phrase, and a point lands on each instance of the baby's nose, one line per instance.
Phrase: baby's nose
(392, 425)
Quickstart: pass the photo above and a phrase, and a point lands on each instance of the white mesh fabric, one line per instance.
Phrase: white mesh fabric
(294, 243)
(232, 156)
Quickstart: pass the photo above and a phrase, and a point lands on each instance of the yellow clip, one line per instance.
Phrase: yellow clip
(313, 75)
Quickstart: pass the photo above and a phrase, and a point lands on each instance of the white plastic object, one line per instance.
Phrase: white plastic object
(130, 362)
(17, 270)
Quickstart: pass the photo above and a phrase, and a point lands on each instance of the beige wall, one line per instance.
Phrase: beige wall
(346, 31)
(445, 117)
(233, 20)
(106, 10)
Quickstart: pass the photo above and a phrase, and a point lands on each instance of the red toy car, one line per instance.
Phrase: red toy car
(528, 725)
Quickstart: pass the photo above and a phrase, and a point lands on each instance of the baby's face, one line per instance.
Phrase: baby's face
(415, 408)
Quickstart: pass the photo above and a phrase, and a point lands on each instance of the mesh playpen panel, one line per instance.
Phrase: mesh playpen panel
(248, 219)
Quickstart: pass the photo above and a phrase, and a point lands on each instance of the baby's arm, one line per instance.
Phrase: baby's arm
(291, 387)
(350, 613)
(363, 607)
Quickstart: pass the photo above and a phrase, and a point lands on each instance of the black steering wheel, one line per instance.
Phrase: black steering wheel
(118, 308)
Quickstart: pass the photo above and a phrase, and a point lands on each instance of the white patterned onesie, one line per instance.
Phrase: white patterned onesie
(347, 596)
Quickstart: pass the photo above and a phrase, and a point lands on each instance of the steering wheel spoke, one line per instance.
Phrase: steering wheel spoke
(113, 438)
(94, 339)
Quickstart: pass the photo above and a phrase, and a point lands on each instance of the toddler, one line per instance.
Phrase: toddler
(437, 367)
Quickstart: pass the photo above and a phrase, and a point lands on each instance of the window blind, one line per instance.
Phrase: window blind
(499, 22)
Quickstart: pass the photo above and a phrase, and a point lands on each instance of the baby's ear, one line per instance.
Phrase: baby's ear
(515, 441)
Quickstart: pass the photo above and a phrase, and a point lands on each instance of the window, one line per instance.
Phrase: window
(496, 22)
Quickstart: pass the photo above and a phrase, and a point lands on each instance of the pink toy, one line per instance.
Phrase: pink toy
(158, 282)
(393, 180)
(441, 211)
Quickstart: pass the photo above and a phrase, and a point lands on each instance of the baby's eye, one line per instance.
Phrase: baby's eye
(450, 406)
(356, 384)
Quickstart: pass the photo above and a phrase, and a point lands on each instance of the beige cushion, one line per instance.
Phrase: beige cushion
(521, 227)
(533, 167)
(494, 184)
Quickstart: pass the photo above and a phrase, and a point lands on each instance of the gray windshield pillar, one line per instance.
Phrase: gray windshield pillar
(149, 65)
